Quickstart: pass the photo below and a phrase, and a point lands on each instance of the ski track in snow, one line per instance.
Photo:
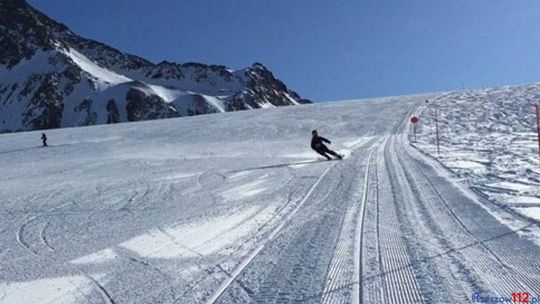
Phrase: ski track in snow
(232, 277)
(44, 237)
(236, 208)
(20, 235)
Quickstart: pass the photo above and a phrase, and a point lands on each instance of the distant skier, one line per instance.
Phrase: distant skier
(44, 139)
(317, 144)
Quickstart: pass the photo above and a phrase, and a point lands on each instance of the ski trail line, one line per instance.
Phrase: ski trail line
(20, 239)
(225, 284)
(402, 287)
(358, 295)
(347, 240)
(104, 293)
(43, 236)
(383, 284)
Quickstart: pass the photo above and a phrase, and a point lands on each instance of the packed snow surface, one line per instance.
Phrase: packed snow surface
(236, 208)
(488, 140)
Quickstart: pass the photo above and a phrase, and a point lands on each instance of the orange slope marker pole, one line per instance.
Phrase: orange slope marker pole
(437, 132)
(538, 127)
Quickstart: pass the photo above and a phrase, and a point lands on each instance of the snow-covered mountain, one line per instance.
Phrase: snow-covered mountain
(50, 78)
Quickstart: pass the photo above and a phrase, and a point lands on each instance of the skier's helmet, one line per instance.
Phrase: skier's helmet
(314, 132)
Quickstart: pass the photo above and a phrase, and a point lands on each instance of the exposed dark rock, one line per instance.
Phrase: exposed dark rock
(237, 103)
(264, 86)
(46, 108)
(31, 84)
(86, 107)
(200, 106)
(113, 115)
(146, 107)
(24, 30)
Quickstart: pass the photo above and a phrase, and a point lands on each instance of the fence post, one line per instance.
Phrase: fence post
(538, 126)
(437, 132)
(412, 123)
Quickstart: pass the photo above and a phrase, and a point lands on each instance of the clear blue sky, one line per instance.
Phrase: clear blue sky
(328, 50)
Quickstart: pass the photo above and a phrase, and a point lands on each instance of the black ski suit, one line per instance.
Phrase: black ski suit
(44, 139)
(318, 145)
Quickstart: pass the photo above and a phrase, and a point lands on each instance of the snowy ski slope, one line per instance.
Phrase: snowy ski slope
(489, 141)
(236, 208)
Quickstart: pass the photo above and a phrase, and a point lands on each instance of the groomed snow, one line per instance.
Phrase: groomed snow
(237, 208)
(488, 140)
(180, 195)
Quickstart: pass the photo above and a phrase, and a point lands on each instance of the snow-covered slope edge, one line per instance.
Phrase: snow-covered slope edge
(51, 78)
(488, 140)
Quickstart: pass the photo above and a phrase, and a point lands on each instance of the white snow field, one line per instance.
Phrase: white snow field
(489, 141)
(236, 208)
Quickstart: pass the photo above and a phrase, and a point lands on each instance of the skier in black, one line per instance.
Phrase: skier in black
(44, 139)
(318, 145)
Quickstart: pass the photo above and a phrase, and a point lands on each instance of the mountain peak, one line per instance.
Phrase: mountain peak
(258, 66)
(13, 3)
(25, 30)
(74, 81)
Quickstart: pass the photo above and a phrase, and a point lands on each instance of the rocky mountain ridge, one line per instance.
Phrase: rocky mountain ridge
(52, 78)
